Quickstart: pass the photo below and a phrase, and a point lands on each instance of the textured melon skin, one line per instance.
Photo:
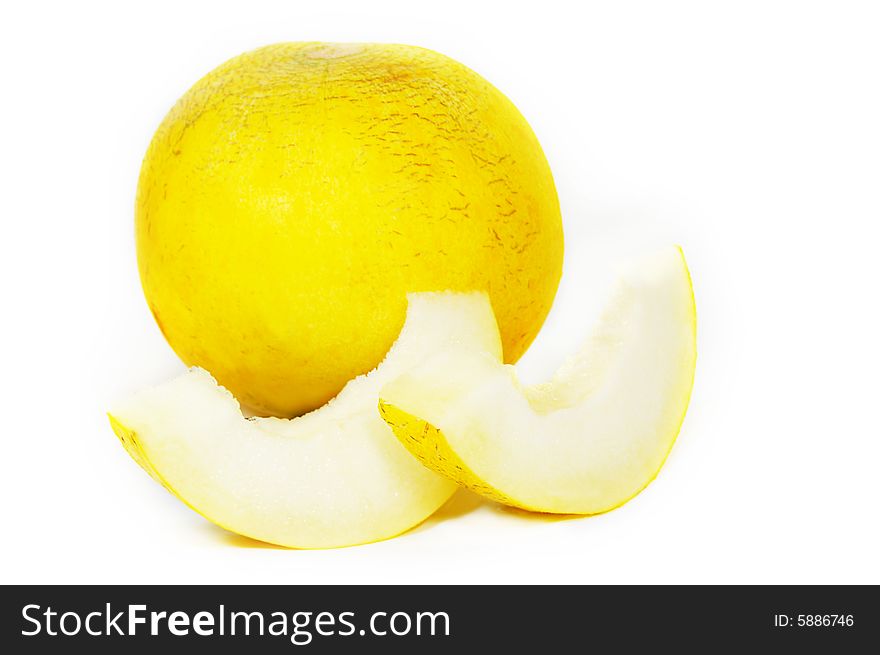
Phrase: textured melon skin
(294, 195)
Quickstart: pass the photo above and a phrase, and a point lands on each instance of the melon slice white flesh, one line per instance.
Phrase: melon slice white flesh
(334, 477)
(583, 443)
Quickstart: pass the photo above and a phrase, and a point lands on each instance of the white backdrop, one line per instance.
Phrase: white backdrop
(749, 132)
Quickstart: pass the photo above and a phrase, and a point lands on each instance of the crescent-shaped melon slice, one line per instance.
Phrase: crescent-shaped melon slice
(583, 443)
(333, 477)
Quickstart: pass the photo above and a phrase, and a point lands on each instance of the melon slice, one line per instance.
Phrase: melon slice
(583, 443)
(333, 477)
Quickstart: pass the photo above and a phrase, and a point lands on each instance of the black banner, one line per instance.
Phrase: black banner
(435, 619)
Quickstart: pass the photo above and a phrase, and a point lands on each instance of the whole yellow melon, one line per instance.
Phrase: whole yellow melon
(294, 195)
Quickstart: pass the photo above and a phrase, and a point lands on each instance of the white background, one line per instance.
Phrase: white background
(749, 132)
